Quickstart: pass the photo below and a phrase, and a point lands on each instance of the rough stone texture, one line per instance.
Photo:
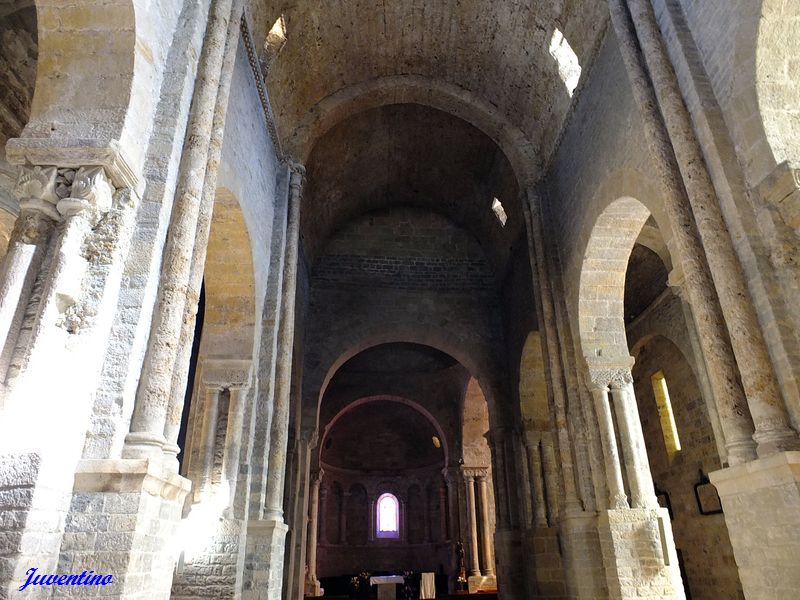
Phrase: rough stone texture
(762, 503)
(702, 541)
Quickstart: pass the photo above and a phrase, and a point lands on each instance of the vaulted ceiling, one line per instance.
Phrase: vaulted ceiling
(495, 51)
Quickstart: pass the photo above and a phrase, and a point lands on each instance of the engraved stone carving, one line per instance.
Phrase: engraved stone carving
(91, 191)
(36, 189)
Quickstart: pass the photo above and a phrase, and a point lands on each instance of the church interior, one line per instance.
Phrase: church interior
(400, 299)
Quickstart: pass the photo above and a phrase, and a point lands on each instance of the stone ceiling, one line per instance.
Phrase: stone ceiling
(497, 52)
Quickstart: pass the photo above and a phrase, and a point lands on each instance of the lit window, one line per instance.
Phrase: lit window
(388, 517)
(668, 427)
(569, 70)
(499, 212)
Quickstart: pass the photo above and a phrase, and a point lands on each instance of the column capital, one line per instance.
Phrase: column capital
(297, 173)
(226, 373)
(474, 472)
(36, 190)
(86, 191)
(316, 475)
(602, 376)
(310, 436)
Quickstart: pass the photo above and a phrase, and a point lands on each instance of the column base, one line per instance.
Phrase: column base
(263, 566)
(312, 587)
(123, 521)
(481, 583)
(582, 559)
(639, 554)
(544, 566)
(761, 504)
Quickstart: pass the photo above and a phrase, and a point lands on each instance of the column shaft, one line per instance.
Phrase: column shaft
(472, 523)
(486, 528)
(146, 436)
(343, 519)
(541, 282)
(233, 440)
(616, 488)
(711, 327)
(313, 526)
(279, 431)
(210, 412)
(634, 452)
(550, 478)
(443, 512)
(772, 430)
(535, 468)
(183, 355)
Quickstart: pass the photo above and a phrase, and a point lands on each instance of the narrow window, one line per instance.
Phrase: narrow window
(388, 514)
(499, 212)
(665, 415)
(569, 69)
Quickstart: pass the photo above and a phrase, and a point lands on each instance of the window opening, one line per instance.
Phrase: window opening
(569, 69)
(388, 513)
(499, 212)
(665, 414)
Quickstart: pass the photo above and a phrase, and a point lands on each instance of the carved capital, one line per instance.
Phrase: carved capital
(297, 174)
(226, 373)
(781, 189)
(610, 377)
(474, 472)
(36, 190)
(90, 193)
(309, 436)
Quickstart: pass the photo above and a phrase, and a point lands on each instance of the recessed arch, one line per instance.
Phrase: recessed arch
(601, 318)
(414, 89)
(387, 398)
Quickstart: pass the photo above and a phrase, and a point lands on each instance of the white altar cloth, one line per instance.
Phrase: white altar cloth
(386, 583)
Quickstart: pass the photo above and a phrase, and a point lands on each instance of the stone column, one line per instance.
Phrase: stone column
(403, 521)
(36, 190)
(634, 452)
(746, 339)
(208, 437)
(146, 436)
(343, 518)
(233, 441)
(323, 513)
(537, 483)
(183, 355)
(472, 524)
(772, 431)
(542, 283)
(550, 469)
(443, 512)
(313, 526)
(279, 432)
(486, 528)
(427, 511)
(616, 488)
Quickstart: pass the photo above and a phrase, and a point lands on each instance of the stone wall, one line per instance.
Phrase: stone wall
(701, 540)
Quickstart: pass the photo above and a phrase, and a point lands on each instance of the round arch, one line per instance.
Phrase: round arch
(414, 89)
(601, 319)
(387, 398)
(437, 338)
(230, 308)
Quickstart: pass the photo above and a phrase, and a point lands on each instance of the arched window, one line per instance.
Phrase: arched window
(388, 517)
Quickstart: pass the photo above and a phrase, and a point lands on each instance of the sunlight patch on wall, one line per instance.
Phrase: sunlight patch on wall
(568, 67)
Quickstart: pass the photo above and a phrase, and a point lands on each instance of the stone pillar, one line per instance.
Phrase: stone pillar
(183, 355)
(443, 512)
(427, 511)
(279, 432)
(472, 524)
(233, 441)
(533, 451)
(772, 431)
(634, 452)
(616, 488)
(718, 348)
(313, 527)
(149, 418)
(486, 528)
(299, 496)
(323, 513)
(403, 520)
(36, 190)
(343, 518)
(548, 319)
(208, 437)
(550, 469)
(761, 500)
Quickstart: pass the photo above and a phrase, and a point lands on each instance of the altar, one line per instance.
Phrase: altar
(386, 585)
